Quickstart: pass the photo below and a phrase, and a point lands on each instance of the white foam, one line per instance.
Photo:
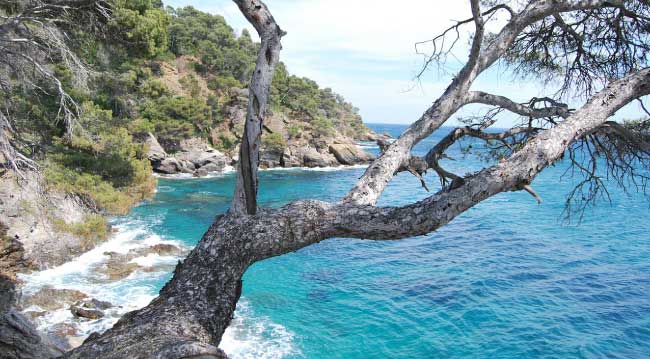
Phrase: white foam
(367, 145)
(154, 259)
(315, 169)
(80, 266)
(130, 293)
(251, 336)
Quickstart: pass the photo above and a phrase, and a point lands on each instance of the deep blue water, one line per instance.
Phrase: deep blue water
(507, 279)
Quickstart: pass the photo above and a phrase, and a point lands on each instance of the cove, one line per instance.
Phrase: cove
(507, 279)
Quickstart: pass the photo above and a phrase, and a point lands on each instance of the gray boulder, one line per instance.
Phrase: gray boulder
(88, 313)
(169, 165)
(289, 159)
(156, 152)
(312, 158)
(349, 154)
(270, 159)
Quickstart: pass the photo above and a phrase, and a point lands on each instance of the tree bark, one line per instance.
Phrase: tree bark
(195, 307)
(373, 182)
(245, 199)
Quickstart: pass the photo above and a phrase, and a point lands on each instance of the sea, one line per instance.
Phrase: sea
(509, 278)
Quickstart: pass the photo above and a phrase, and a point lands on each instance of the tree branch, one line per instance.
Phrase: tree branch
(373, 182)
(195, 307)
(555, 110)
(245, 198)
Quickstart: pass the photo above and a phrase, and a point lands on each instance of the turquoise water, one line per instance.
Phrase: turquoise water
(507, 279)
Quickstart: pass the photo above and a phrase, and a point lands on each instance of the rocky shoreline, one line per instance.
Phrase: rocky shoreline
(196, 157)
(30, 241)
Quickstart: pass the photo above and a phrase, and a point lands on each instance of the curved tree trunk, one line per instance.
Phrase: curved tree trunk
(195, 307)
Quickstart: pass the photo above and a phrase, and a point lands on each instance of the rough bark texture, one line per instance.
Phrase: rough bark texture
(193, 310)
(245, 200)
(195, 307)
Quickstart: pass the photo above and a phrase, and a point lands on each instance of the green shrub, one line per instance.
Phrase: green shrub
(92, 230)
(295, 131)
(225, 141)
(153, 89)
(191, 85)
(323, 127)
(223, 83)
(108, 170)
(172, 119)
(274, 142)
(143, 24)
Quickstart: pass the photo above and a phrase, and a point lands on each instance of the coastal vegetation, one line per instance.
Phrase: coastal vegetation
(141, 68)
(565, 41)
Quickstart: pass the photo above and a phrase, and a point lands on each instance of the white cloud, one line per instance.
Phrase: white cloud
(364, 49)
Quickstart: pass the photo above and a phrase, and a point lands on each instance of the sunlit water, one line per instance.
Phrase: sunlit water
(507, 279)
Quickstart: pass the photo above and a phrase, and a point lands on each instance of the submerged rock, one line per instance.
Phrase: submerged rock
(163, 249)
(90, 308)
(63, 335)
(81, 312)
(116, 269)
(97, 304)
(49, 298)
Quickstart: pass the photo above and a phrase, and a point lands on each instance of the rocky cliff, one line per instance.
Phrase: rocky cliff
(290, 138)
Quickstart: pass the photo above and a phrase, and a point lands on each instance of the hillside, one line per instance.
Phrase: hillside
(165, 89)
(147, 90)
(195, 100)
(151, 90)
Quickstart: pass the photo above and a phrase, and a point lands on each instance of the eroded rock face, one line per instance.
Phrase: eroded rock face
(195, 157)
(350, 154)
(156, 151)
(20, 340)
(18, 336)
(26, 209)
(270, 159)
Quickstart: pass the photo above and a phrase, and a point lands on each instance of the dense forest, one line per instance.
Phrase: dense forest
(175, 73)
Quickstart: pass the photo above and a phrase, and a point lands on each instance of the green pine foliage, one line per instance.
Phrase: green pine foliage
(130, 94)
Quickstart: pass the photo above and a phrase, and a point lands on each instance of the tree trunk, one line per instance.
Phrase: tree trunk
(195, 307)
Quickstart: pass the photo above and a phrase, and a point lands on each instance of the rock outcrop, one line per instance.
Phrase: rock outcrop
(18, 336)
(195, 157)
(30, 212)
(349, 154)
(84, 312)
(20, 340)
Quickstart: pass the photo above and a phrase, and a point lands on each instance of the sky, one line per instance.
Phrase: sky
(365, 50)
